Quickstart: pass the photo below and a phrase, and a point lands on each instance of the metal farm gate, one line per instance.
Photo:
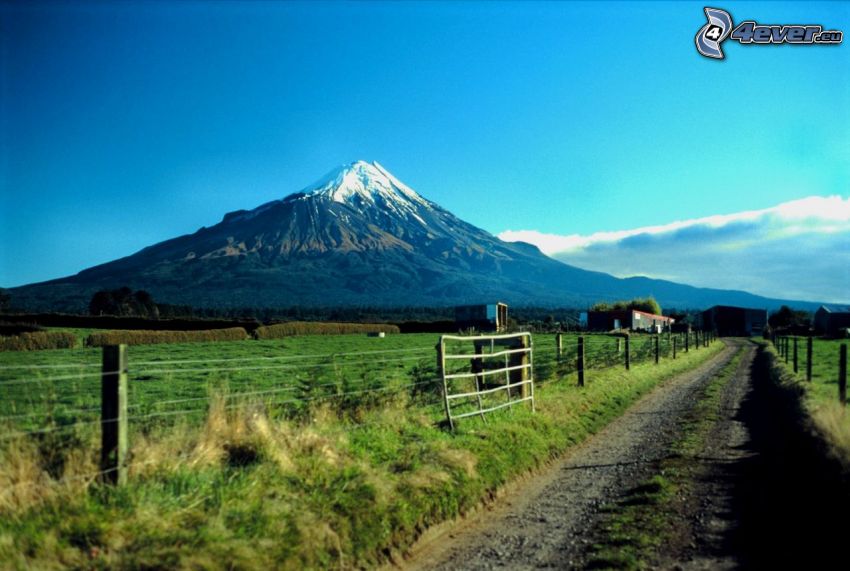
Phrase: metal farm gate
(485, 373)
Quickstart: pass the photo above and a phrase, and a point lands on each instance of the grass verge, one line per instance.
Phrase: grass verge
(344, 488)
(819, 397)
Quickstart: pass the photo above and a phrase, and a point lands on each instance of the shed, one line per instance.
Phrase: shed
(628, 319)
(830, 319)
(483, 317)
(727, 320)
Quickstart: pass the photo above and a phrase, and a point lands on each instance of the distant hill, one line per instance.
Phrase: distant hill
(358, 236)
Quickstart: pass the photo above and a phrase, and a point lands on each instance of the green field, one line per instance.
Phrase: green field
(171, 380)
(824, 387)
(40, 389)
(306, 452)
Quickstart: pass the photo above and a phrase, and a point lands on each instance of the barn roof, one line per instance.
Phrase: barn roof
(661, 317)
(836, 308)
(726, 307)
(626, 312)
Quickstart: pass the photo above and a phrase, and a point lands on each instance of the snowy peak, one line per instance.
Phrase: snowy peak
(362, 182)
(366, 188)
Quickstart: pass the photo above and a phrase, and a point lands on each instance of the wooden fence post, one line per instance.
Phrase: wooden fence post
(842, 374)
(628, 354)
(580, 361)
(559, 345)
(674, 347)
(113, 415)
(656, 349)
(687, 341)
(795, 354)
(787, 357)
(809, 344)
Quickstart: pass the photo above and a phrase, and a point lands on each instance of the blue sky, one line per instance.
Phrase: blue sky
(123, 124)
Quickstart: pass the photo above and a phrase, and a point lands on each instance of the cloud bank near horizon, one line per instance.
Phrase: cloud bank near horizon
(795, 250)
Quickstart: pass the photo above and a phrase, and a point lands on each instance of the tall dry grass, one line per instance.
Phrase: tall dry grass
(833, 420)
(229, 437)
(26, 478)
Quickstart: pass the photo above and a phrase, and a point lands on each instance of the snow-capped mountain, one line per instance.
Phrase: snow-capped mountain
(356, 207)
(357, 236)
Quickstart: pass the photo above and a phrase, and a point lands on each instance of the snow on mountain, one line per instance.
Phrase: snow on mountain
(362, 185)
(359, 185)
(367, 181)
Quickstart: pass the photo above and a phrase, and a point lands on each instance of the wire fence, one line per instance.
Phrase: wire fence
(79, 392)
(57, 403)
(330, 370)
(816, 360)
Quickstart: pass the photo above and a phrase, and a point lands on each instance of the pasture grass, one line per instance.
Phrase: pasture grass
(337, 482)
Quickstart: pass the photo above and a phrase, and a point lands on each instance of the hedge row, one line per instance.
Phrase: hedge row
(7, 328)
(114, 322)
(288, 329)
(38, 340)
(150, 337)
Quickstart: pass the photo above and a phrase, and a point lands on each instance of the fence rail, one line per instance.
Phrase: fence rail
(517, 368)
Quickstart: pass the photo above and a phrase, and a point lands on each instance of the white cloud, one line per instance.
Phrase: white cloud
(796, 250)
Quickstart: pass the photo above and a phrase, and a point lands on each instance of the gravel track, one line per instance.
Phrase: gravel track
(543, 523)
(712, 517)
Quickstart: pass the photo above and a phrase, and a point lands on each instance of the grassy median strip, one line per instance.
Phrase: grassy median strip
(636, 526)
(334, 487)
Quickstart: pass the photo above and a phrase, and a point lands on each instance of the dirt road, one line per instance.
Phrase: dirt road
(761, 493)
(544, 526)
